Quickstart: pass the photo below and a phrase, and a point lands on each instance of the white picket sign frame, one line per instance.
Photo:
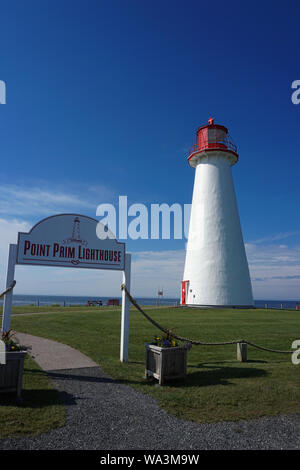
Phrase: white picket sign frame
(45, 245)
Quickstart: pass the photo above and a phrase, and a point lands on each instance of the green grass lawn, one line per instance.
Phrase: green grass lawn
(61, 309)
(217, 387)
(51, 308)
(40, 410)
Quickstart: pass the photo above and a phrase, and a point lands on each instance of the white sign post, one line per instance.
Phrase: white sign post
(125, 311)
(12, 258)
(70, 240)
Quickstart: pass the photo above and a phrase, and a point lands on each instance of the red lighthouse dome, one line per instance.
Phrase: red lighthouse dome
(211, 137)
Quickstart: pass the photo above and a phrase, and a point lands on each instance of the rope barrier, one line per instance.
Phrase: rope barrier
(191, 341)
(8, 289)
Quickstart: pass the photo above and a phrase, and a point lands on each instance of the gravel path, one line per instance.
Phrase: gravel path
(103, 414)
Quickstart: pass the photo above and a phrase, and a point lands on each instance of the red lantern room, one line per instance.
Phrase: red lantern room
(211, 137)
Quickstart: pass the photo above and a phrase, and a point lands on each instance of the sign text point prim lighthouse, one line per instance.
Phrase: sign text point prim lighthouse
(216, 272)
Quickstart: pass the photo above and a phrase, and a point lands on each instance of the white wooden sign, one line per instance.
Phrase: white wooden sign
(70, 240)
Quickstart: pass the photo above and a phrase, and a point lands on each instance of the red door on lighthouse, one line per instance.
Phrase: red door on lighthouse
(183, 292)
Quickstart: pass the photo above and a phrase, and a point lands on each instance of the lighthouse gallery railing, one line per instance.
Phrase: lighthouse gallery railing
(225, 144)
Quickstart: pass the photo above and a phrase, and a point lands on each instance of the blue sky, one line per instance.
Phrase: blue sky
(104, 98)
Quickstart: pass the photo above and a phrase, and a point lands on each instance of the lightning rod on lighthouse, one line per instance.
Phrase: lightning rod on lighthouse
(216, 272)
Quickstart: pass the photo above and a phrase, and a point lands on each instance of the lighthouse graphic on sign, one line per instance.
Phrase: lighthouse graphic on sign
(76, 238)
(216, 272)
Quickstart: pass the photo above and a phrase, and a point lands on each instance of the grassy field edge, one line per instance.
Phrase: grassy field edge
(40, 410)
(217, 387)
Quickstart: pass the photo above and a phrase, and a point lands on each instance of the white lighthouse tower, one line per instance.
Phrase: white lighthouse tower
(216, 272)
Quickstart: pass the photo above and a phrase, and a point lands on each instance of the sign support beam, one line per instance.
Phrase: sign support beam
(125, 311)
(12, 258)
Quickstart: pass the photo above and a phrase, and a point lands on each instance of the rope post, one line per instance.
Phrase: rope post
(241, 344)
(242, 352)
(125, 311)
(12, 259)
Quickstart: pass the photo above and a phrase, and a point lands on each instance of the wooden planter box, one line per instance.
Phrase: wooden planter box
(165, 363)
(11, 373)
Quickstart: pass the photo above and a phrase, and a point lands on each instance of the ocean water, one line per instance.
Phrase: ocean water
(77, 300)
(82, 300)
